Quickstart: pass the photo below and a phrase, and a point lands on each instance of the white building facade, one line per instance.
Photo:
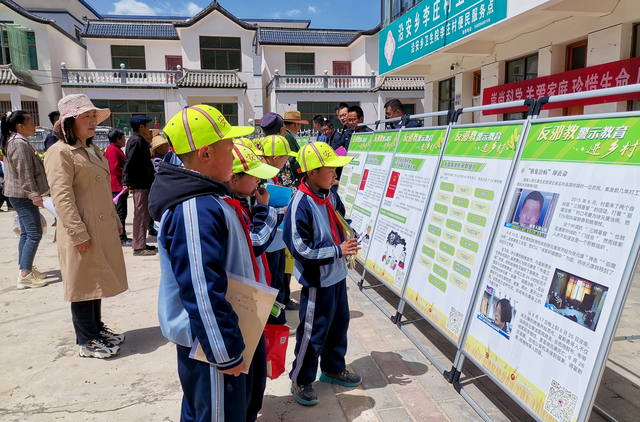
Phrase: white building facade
(431, 54)
(157, 65)
(523, 49)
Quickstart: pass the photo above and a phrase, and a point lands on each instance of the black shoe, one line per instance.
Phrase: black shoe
(151, 248)
(126, 242)
(153, 232)
(292, 306)
(304, 394)
(346, 379)
(143, 252)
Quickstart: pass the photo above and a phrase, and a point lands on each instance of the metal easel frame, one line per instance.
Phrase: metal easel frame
(616, 312)
(525, 103)
(363, 289)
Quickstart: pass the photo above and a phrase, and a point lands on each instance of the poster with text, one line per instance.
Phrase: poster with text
(556, 265)
(352, 172)
(392, 243)
(456, 231)
(372, 185)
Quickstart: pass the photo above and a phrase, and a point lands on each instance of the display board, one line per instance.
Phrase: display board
(372, 185)
(303, 140)
(560, 264)
(352, 172)
(470, 183)
(392, 242)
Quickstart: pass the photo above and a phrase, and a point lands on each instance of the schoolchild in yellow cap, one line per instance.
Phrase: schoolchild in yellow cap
(317, 239)
(203, 236)
(255, 147)
(277, 152)
(263, 220)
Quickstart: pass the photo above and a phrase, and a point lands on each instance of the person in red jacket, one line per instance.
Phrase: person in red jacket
(116, 163)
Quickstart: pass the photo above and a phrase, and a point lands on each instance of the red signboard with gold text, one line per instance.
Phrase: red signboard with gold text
(620, 73)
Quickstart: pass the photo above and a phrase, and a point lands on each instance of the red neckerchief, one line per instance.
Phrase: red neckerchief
(334, 221)
(244, 220)
(275, 181)
(263, 257)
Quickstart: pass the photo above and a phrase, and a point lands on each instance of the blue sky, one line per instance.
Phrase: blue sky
(334, 14)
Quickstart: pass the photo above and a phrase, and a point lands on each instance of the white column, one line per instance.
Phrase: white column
(16, 102)
(551, 61)
(430, 103)
(241, 121)
(605, 46)
(464, 91)
(492, 75)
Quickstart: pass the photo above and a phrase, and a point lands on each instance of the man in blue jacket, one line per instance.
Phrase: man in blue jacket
(316, 237)
(201, 239)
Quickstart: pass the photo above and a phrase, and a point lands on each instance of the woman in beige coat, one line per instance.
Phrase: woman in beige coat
(89, 251)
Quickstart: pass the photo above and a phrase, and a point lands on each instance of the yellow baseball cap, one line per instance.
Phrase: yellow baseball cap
(245, 161)
(200, 125)
(320, 154)
(246, 142)
(276, 146)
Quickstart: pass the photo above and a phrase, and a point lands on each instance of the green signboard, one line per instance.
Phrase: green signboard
(433, 24)
(361, 142)
(602, 141)
(487, 142)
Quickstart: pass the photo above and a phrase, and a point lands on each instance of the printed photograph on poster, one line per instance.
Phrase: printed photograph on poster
(498, 313)
(576, 298)
(395, 252)
(532, 211)
(365, 237)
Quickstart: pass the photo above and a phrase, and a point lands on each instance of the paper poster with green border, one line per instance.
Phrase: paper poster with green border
(372, 184)
(352, 172)
(458, 223)
(485, 142)
(601, 141)
(303, 140)
(360, 141)
(392, 243)
(556, 270)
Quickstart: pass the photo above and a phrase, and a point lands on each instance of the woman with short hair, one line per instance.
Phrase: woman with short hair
(24, 184)
(89, 251)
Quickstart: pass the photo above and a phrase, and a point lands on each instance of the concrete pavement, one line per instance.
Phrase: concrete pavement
(43, 379)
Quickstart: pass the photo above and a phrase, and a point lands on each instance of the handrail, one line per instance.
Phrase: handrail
(121, 76)
(604, 92)
(413, 116)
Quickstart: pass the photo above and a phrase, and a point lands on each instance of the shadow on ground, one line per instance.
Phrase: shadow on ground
(141, 342)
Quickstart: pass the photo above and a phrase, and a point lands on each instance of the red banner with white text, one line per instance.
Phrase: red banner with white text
(620, 73)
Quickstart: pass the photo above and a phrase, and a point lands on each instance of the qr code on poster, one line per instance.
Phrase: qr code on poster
(560, 402)
(397, 283)
(454, 322)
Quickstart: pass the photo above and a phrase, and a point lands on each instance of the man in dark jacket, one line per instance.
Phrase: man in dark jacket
(138, 175)
(394, 108)
(354, 118)
(52, 138)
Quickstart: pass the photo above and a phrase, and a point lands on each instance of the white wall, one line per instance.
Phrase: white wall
(544, 32)
(324, 57)
(99, 52)
(64, 20)
(215, 25)
(53, 47)
(289, 101)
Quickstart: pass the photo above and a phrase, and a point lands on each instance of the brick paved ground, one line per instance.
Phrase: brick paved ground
(43, 379)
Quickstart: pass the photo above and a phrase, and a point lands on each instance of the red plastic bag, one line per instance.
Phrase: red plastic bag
(276, 338)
